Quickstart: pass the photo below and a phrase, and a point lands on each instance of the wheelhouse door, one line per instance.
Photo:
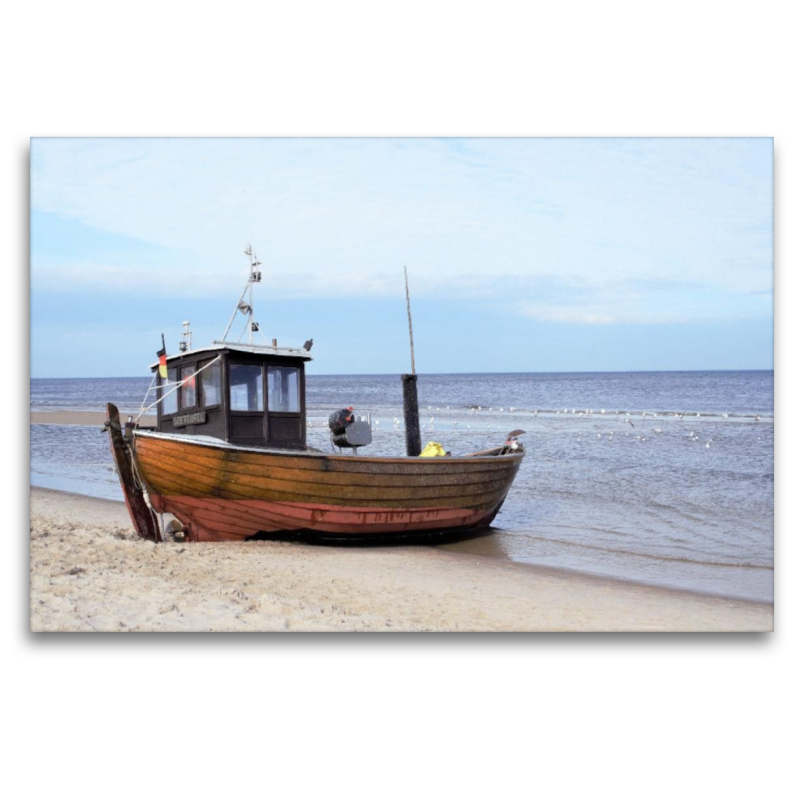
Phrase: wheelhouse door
(248, 419)
(285, 392)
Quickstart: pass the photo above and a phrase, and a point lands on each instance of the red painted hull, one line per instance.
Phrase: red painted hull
(214, 519)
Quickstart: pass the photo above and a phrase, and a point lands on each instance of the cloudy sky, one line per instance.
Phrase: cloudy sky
(523, 254)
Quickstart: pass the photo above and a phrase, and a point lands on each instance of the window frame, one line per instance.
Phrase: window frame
(232, 364)
(220, 386)
(298, 374)
(162, 392)
(198, 385)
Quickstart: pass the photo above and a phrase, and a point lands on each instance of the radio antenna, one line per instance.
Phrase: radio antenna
(247, 307)
(410, 330)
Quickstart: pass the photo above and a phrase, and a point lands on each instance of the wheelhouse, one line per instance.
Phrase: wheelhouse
(241, 393)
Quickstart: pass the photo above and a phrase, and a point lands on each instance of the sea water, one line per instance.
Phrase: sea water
(660, 477)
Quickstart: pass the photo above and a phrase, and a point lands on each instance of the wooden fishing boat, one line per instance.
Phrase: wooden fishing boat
(228, 457)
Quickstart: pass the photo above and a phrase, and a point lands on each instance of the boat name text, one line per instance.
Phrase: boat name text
(197, 418)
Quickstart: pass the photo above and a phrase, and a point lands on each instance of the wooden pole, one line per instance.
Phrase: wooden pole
(411, 415)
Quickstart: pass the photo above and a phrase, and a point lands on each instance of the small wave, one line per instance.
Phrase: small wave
(615, 551)
(611, 412)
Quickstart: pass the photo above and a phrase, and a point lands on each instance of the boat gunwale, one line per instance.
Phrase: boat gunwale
(221, 444)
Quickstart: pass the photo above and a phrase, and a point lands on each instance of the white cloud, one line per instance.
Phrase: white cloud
(570, 315)
(332, 216)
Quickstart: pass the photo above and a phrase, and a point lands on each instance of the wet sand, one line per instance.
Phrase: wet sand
(90, 573)
(80, 418)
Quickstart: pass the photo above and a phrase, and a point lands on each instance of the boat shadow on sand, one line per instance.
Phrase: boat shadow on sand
(383, 540)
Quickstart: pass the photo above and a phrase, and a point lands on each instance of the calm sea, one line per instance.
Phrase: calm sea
(665, 478)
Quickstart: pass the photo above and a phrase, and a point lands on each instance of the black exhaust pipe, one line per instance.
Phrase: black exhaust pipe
(411, 415)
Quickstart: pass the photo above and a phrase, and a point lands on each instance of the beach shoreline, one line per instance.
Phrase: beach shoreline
(90, 573)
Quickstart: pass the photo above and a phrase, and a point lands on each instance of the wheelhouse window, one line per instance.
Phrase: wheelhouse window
(169, 403)
(247, 388)
(212, 384)
(188, 390)
(283, 384)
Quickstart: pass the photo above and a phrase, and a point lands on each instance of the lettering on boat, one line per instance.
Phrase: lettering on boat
(196, 418)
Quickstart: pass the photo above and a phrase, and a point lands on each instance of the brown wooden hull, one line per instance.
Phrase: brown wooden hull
(222, 492)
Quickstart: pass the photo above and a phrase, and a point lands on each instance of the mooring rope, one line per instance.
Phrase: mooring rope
(175, 388)
(147, 394)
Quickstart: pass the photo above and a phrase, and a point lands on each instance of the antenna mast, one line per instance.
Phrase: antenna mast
(247, 308)
(410, 331)
(410, 400)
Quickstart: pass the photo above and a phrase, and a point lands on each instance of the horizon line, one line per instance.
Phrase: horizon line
(389, 374)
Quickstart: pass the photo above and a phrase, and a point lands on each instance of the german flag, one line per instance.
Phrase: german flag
(162, 359)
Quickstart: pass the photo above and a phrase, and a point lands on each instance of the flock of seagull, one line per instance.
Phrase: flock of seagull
(398, 422)
(628, 417)
(431, 424)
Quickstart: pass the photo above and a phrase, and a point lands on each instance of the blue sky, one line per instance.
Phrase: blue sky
(523, 254)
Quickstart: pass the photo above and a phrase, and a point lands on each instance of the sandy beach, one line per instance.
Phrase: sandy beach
(90, 573)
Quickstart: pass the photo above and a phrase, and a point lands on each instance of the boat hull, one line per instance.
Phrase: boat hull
(223, 492)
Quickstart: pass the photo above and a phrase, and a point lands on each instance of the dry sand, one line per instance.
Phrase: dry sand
(90, 573)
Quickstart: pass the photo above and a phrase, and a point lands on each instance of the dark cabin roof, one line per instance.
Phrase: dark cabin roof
(267, 351)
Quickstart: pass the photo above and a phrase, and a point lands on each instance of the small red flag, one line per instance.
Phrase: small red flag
(162, 359)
